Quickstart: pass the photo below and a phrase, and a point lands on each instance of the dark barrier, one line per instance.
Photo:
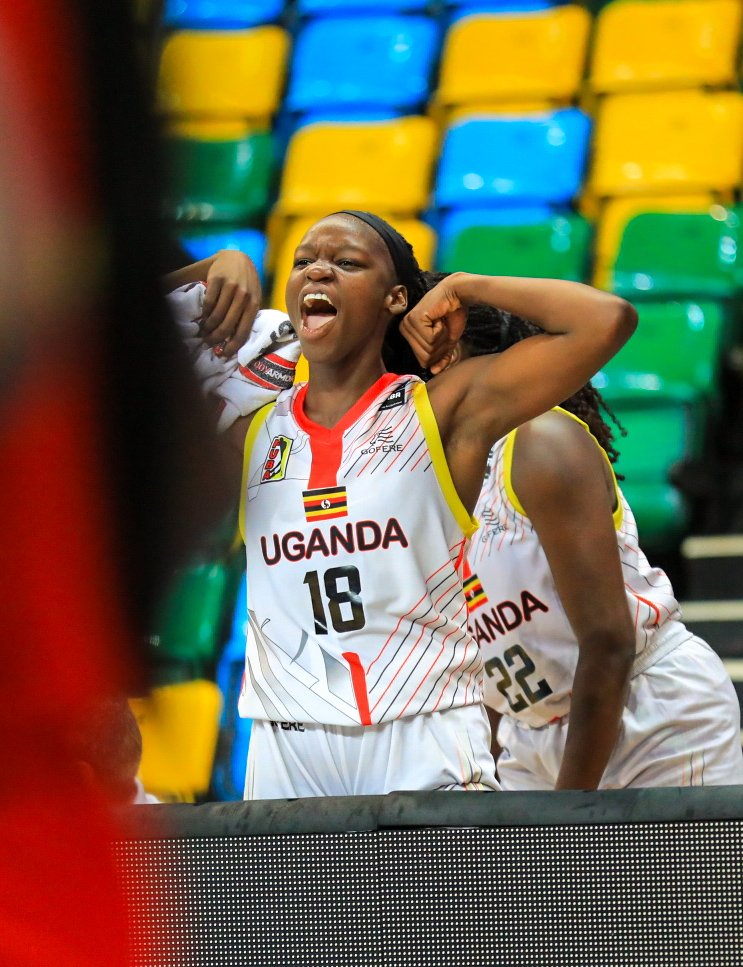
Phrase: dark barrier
(612, 879)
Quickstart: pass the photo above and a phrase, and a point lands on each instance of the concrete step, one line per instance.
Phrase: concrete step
(719, 623)
(713, 567)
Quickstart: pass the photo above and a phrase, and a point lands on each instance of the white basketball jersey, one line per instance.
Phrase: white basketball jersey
(529, 649)
(355, 542)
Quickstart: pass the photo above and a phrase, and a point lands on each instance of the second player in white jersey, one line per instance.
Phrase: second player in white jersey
(591, 677)
(516, 614)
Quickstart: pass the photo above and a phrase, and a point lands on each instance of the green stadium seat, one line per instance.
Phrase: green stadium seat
(660, 436)
(662, 514)
(557, 248)
(190, 621)
(675, 352)
(680, 255)
(222, 180)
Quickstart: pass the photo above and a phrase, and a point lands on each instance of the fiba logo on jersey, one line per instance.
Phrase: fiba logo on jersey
(274, 466)
(382, 442)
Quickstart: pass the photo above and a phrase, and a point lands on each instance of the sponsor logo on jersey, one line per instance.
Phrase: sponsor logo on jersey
(364, 535)
(288, 726)
(490, 523)
(325, 503)
(474, 593)
(274, 466)
(396, 398)
(269, 372)
(383, 442)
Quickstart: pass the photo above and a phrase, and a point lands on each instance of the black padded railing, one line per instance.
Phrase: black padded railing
(610, 879)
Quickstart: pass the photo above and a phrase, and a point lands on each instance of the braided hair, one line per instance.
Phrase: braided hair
(492, 330)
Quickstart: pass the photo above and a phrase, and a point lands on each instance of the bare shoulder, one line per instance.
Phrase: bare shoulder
(554, 455)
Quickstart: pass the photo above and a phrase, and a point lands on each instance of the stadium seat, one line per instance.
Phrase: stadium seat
(675, 352)
(325, 8)
(680, 255)
(382, 61)
(671, 142)
(227, 74)
(179, 726)
(662, 513)
(466, 8)
(661, 434)
(219, 173)
(228, 776)
(513, 161)
(383, 166)
(557, 248)
(616, 212)
(249, 241)
(640, 46)
(189, 622)
(421, 236)
(489, 58)
(219, 14)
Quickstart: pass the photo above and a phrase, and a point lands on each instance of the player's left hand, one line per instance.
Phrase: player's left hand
(232, 299)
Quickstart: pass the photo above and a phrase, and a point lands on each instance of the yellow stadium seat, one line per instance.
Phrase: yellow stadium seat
(667, 143)
(421, 236)
(179, 726)
(381, 166)
(640, 46)
(224, 73)
(530, 56)
(615, 214)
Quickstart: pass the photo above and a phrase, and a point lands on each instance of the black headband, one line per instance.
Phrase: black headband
(407, 269)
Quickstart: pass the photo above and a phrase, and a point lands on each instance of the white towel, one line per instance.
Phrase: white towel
(262, 368)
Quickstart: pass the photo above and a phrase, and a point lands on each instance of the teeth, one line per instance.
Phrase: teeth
(315, 297)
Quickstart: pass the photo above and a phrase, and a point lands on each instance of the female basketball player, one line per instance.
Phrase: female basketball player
(591, 678)
(358, 492)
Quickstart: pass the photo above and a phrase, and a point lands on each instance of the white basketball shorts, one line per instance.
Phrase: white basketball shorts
(681, 727)
(439, 750)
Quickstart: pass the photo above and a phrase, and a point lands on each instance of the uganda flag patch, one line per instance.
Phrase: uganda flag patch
(473, 592)
(325, 503)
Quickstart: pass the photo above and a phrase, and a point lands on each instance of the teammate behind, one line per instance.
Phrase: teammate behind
(591, 677)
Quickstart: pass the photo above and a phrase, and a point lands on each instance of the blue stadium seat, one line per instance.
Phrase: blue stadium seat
(383, 61)
(228, 776)
(325, 8)
(220, 14)
(502, 160)
(249, 241)
(456, 9)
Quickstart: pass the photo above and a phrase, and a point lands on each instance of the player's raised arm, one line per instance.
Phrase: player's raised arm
(480, 400)
(232, 299)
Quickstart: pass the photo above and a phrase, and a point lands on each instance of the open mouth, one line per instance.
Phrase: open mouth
(317, 311)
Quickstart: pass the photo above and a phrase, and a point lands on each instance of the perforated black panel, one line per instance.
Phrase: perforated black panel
(632, 895)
